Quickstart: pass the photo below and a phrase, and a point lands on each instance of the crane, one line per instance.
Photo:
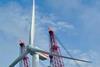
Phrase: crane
(54, 49)
(37, 53)
(25, 60)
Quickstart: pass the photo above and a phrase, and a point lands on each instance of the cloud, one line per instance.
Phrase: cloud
(86, 13)
(52, 21)
(14, 20)
(44, 21)
(14, 25)
(91, 55)
(87, 16)
(89, 34)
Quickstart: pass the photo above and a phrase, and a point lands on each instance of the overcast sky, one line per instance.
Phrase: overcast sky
(75, 22)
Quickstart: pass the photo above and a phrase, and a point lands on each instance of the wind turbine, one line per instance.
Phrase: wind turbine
(37, 53)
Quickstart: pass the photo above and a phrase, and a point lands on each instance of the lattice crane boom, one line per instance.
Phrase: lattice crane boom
(54, 49)
(25, 60)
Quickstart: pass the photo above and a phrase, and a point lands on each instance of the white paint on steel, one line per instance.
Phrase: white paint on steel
(35, 57)
(35, 60)
(21, 62)
(32, 30)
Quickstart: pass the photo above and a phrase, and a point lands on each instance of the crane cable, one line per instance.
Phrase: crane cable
(77, 64)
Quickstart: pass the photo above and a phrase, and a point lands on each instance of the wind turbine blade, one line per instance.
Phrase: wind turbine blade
(41, 51)
(18, 59)
(32, 27)
(35, 57)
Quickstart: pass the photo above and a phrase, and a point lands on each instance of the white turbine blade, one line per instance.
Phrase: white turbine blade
(32, 28)
(18, 59)
(35, 57)
(33, 50)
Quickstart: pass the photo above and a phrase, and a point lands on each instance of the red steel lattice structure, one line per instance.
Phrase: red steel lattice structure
(55, 49)
(25, 61)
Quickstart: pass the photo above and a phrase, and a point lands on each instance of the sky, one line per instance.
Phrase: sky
(76, 24)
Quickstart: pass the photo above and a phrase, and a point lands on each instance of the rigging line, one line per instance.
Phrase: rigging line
(77, 64)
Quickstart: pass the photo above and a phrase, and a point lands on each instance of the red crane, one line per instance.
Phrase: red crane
(25, 61)
(55, 49)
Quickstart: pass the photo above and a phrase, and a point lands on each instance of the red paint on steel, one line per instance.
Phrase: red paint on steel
(54, 49)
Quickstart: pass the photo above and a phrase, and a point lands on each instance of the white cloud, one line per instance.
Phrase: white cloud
(90, 34)
(90, 55)
(15, 23)
(52, 21)
(43, 22)
(87, 18)
(14, 20)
